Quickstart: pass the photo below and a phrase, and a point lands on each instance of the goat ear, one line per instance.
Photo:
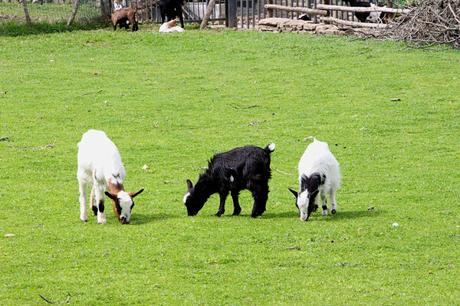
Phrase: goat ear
(112, 196)
(133, 194)
(293, 192)
(189, 185)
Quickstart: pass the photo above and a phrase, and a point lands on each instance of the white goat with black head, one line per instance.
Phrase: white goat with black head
(99, 164)
(318, 173)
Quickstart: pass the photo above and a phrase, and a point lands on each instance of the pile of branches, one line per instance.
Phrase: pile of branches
(429, 22)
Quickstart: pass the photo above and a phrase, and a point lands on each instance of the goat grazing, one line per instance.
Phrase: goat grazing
(99, 164)
(125, 16)
(238, 169)
(171, 9)
(318, 173)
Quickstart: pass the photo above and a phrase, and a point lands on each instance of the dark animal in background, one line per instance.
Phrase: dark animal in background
(230, 172)
(124, 17)
(171, 9)
(304, 17)
(362, 16)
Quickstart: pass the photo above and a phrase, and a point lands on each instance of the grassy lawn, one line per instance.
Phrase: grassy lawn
(170, 102)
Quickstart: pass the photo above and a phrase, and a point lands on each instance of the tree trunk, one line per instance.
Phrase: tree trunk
(26, 12)
(208, 13)
(106, 8)
(75, 4)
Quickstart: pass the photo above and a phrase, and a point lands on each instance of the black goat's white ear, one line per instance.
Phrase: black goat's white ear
(231, 174)
(293, 192)
(189, 185)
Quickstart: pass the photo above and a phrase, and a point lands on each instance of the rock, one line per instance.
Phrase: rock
(309, 26)
(274, 22)
(327, 29)
(9, 235)
(265, 28)
(294, 24)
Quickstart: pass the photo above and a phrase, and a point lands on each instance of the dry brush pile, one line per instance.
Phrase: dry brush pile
(430, 22)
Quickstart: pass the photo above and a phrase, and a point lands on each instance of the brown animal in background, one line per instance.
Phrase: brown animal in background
(124, 17)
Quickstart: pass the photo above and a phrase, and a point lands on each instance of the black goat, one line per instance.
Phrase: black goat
(171, 9)
(362, 16)
(238, 169)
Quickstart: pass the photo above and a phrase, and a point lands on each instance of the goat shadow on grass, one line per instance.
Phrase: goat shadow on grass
(348, 214)
(353, 214)
(285, 214)
(138, 219)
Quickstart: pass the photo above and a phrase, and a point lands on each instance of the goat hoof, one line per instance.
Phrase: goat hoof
(333, 211)
(218, 214)
(236, 212)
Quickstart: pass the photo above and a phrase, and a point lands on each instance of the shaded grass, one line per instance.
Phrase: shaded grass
(47, 18)
(48, 12)
(13, 28)
(171, 101)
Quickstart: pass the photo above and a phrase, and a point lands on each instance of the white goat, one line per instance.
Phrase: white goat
(318, 173)
(375, 16)
(170, 27)
(99, 164)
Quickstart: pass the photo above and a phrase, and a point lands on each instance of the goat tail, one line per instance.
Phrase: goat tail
(270, 148)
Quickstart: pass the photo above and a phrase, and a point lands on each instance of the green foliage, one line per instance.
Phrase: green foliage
(390, 115)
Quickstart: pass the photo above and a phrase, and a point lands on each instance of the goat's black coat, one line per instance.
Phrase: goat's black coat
(171, 9)
(310, 184)
(362, 16)
(230, 172)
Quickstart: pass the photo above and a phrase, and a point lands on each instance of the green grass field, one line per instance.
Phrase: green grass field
(170, 102)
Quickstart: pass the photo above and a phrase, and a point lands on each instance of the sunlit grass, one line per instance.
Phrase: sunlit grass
(390, 115)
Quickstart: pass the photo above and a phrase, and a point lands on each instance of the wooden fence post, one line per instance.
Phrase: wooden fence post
(208, 13)
(231, 20)
(269, 11)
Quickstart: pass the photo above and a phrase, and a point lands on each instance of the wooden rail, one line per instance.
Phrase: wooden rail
(361, 9)
(353, 23)
(295, 9)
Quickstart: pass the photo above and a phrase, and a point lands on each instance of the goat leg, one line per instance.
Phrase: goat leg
(260, 195)
(236, 204)
(223, 197)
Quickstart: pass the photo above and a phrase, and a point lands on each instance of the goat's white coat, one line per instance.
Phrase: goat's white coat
(374, 17)
(166, 28)
(318, 158)
(99, 162)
